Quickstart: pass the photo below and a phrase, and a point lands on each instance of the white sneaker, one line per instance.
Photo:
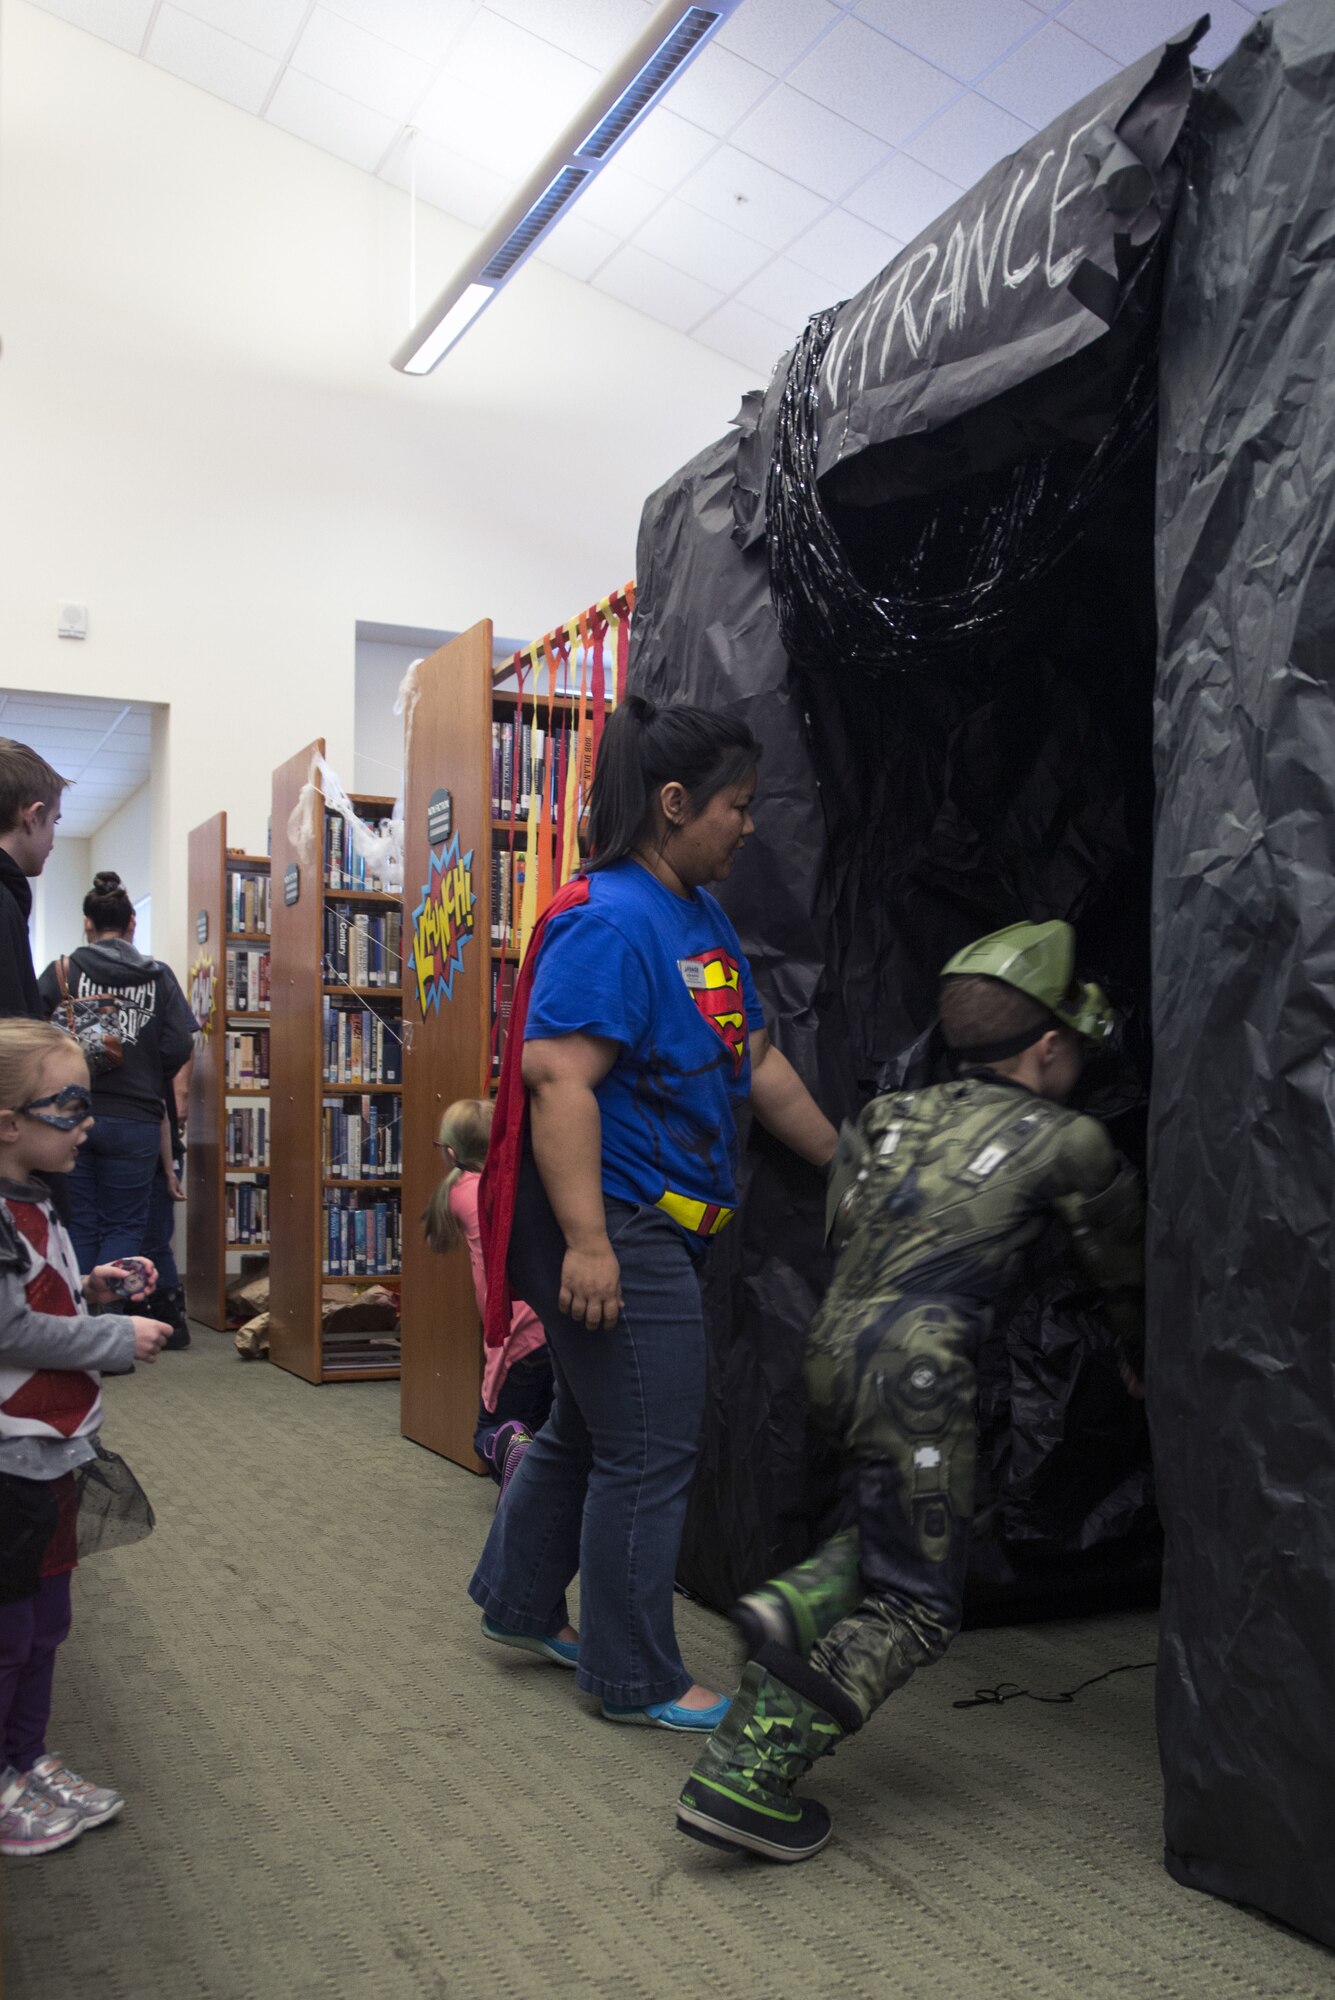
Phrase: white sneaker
(95, 1803)
(32, 1823)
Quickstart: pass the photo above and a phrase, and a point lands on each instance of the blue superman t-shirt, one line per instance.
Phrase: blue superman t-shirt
(664, 977)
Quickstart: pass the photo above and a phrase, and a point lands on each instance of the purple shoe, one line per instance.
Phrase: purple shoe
(509, 1451)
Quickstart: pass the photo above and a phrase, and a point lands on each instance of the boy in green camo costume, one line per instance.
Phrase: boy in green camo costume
(935, 1197)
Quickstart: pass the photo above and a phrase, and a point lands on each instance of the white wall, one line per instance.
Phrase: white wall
(125, 843)
(203, 441)
(57, 900)
(378, 732)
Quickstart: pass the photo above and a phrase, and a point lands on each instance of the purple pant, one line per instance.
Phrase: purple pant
(30, 1632)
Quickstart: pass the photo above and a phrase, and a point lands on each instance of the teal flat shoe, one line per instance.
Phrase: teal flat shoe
(564, 1652)
(670, 1715)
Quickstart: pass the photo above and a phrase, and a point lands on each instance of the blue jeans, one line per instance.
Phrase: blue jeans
(110, 1190)
(603, 1487)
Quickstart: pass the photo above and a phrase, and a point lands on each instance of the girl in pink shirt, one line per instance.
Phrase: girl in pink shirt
(517, 1379)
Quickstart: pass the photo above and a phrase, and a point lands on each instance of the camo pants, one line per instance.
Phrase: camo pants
(895, 1386)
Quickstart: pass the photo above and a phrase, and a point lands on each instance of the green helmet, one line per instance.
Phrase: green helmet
(1039, 959)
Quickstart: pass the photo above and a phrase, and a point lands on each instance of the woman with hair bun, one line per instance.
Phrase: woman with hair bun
(636, 1036)
(145, 1033)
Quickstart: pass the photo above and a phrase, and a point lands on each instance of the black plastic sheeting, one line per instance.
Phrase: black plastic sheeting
(1244, 983)
(908, 804)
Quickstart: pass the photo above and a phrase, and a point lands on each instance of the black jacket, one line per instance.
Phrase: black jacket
(156, 1025)
(18, 981)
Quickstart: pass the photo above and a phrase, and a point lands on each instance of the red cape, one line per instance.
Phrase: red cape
(505, 1152)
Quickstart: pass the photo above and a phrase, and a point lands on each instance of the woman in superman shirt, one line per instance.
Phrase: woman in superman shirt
(613, 1163)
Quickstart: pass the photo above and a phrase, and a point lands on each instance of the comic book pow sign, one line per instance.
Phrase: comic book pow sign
(716, 988)
(442, 925)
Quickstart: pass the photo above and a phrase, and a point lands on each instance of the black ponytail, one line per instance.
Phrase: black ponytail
(107, 905)
(644, 748)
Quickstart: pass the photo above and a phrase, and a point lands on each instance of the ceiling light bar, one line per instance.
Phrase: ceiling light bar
(672, 38)
(539, 218)
(696, 26)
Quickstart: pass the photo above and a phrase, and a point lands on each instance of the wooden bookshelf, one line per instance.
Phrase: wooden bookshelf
(299, 1186)
(213, 867)
(449, 750)
(451, 1050)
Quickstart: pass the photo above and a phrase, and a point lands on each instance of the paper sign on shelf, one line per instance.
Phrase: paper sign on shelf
(443, 923)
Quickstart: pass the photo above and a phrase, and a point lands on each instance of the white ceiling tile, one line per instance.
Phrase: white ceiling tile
(425, 28)
(1229, 23)
(267, 25)
(618, 200)
(311, 111)
(805, 141)
(216, 62)
(652, 287)
(473, 193)
(123, 22)
(73, 745)
(1053, 71)
(718, 88)
(745, 336)
(577, 246)
(698, 245)
(968, 137)
(597, 31)
(845, 250)
(903, 197)
(871, 80)
(665, 149)
(1131, 28)
(775, 33)
(364, 67)
(751, 197)
(957, 35)
(122, 776)
(783, 291)
(84, 722)
(504, 96)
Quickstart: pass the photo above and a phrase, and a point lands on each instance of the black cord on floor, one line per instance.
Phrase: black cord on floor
(1008, 1691)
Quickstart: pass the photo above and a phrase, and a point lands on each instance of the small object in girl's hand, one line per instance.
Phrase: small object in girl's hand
(135, 1280)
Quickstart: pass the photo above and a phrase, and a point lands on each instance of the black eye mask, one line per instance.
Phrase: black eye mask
(66, 1110)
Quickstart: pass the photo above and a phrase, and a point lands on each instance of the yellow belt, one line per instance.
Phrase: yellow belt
(702, 1218)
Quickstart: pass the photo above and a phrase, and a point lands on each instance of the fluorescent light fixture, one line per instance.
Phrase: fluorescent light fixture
(673, 37)
(447, 330)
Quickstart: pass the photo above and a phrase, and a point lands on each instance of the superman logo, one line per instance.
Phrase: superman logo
(715, 985)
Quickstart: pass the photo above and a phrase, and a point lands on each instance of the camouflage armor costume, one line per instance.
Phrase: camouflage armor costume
(936, 1197)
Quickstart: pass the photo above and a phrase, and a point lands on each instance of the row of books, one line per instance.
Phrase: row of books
(504, 972)
(247, 980)
(361, 948)
(361, 1045)
(248, 903)
(531, 762)
(344, 867)
(363, 1234)
(507, 892)
(362, 1138)
(247, 1211)
(246, 1136)
(246, 1058)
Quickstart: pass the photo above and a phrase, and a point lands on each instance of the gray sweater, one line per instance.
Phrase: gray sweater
(103, 1343)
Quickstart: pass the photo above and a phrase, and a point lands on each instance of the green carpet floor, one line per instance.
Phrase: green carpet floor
(337, 1788)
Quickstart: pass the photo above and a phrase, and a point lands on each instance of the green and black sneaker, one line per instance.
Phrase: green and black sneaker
(801, 1606)
(740, 1794)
